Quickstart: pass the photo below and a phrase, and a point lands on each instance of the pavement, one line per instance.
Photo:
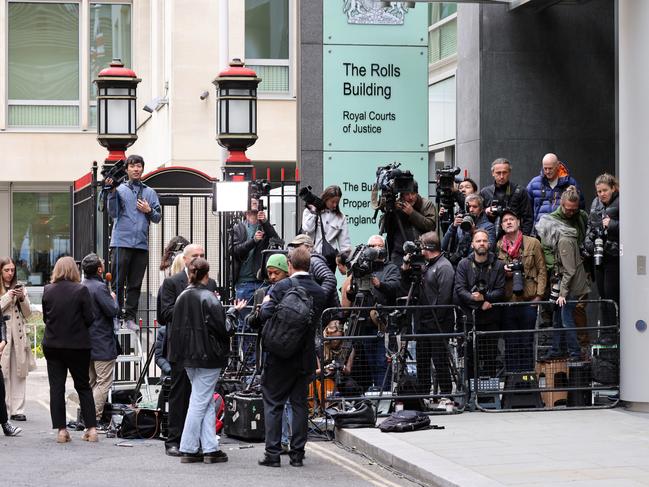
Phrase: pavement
(589, 448)
(35, 459)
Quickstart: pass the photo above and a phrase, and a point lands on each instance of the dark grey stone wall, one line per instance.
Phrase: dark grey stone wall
(309, 95)
(545, 82)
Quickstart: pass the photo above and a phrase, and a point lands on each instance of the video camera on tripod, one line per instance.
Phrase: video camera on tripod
(414, 258)
(445, 190)
(361, 265)
(392, 181)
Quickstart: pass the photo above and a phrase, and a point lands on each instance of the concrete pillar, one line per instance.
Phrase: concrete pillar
(633, 110)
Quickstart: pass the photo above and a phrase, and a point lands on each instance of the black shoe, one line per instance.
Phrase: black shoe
(268, 461)
(191, 457)
(297, 462)
(172, 451)
(18, 417)
(10, 430)
(215, 457)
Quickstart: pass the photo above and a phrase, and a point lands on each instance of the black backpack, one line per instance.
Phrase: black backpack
(284, 333)
(406, 420)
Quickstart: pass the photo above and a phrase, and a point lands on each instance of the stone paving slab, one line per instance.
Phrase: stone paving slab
(602, 447)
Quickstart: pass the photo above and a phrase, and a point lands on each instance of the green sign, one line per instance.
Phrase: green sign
(366, 22)
(375, 98)
(355, 173)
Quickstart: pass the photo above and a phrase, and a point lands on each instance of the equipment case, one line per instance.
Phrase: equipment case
(244, 416)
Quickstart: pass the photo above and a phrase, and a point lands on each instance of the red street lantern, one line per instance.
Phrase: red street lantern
(116, 109)
(236, 91)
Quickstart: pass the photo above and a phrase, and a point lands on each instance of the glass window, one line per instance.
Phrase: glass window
(41, 234)
(43, 61)
(267, 42)
(442, 39)
(110, 38)
(441, 111)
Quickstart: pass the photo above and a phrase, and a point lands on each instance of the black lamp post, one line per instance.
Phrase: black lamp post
(236, 115)
(116, 109)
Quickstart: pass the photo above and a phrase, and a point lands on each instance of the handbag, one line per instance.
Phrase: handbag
(328, 251)
(140, 423)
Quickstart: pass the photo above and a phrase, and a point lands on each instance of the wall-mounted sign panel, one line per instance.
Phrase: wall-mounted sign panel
(375, 98)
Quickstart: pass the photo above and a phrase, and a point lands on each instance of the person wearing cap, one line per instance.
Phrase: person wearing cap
(514, 247)
(102, 335)
(132, 206)
(457, 242)
(319, 270)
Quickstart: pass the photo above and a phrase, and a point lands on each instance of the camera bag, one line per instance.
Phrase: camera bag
(405, 420)
(363, 415)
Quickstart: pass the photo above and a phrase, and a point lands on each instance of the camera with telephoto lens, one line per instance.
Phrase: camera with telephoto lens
(497, 208)
(467, 223)
(445, 189)
(361, 266)
(555, 289)
(518, 278)
(116, 172)
(310, 199)
(598, 252)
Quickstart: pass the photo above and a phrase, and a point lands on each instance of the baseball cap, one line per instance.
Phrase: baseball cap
(301, 239)
(510, 212)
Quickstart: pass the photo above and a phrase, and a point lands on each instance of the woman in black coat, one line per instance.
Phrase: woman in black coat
(604, 224)
(67, 313)
(199, 341)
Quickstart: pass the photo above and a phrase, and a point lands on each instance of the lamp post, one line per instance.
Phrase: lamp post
(116, 109)
(236, 115)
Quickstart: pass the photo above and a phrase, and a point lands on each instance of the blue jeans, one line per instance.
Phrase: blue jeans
(565, 317)
(287, 420)
(200, 423)
(246, 290)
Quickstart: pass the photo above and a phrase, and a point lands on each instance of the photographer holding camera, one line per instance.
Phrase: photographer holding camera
(436, 288)
(480, 281)
(133, 206)
(453, 203)
(602, 242)
(505, 194)
(562, 233)
(457, 239)
(405, 218)
(526, 279)
(323, 221)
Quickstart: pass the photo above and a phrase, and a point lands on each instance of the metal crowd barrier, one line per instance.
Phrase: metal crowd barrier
(520, 369)
(379, 358)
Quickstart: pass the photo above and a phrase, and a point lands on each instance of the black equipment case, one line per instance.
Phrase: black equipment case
(244, 416)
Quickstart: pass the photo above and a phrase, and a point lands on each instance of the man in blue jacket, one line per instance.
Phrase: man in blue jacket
(132, 206)
(545, 190)
(102, 333)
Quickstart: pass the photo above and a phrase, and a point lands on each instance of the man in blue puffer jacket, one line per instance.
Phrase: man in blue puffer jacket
(545, 190)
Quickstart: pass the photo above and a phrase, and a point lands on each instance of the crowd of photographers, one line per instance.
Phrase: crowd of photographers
(474, 248)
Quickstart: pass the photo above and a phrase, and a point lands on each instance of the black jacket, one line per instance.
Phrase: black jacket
(104, 307)
(612, 235)
(468, 274)
(241, 246)
(390, 289)
(323, 276)
(515, 197)
(67, 313)
(200, 334)
(169, 291)
(437, 290)
(304, 362)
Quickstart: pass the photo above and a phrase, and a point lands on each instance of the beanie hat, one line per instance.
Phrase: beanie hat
(278, 261)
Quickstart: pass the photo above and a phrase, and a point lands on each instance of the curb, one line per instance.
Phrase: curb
(424, 466)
